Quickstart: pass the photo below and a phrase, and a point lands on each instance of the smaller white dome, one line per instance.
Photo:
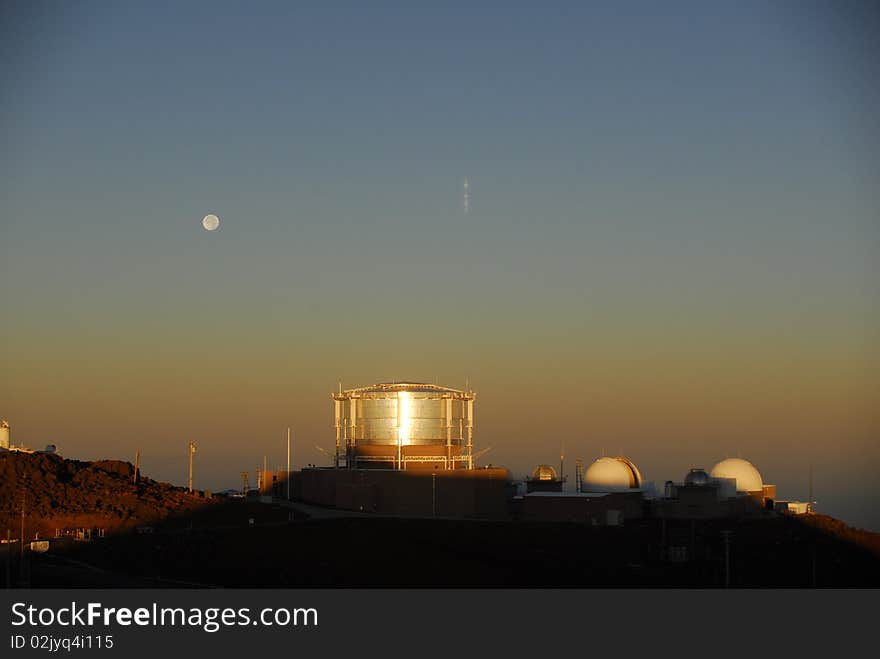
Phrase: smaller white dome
(611, 475)
(748, 479)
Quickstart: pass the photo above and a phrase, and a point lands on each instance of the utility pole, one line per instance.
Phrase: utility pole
(811, 506)
(813, 564)
(137, 462)
(288, 464)
(726, 535)
(22, 524)
(663, 536)
(21, 566)
(192, 449)
(562, 462)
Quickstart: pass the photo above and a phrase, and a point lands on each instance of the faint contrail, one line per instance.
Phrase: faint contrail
(467, 197)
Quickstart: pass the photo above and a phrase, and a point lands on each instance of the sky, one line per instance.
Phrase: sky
(671, 252)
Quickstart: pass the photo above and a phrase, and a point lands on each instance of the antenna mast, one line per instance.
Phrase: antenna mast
(22, 527)
(562, 462)
(810, 506)
(192, 449)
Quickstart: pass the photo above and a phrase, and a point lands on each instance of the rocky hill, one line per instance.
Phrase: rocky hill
(69, 494)
(834, 527)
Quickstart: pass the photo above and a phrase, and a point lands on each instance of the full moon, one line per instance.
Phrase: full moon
(210, 222)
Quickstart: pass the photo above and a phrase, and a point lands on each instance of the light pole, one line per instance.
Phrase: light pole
(22, 525)
(727, 535)
(192, 449)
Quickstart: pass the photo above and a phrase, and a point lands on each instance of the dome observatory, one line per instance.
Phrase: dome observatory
(733, 488)
(748, 479)
(544, 479)
(611, 475)
(544, 473)
(697, 478)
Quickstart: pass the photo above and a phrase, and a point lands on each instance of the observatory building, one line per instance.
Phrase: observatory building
(404, 425)
(7, 445)
(608, 493)
(407, 448)
(544, 479)
(611, 475)
(734, 487)
(744, 479)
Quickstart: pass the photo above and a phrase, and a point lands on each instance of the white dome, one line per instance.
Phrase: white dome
(748, 479)
(611, 475)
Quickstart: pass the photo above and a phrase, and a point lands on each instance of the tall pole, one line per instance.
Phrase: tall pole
(288, 464)
(23, 575)
(137, 461)
(22, 526)
(726, 561)
(813, 565)
(192, 449)
(447, 407)
(810, 501)
(470, 429)
(726, 535)
(562, 462)
(338, 410)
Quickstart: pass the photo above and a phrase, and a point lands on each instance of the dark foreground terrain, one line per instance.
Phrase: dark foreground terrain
(161, 536)
(276, 551)
(61, 495)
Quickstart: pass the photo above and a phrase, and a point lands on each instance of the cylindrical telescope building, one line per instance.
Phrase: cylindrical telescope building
(4, 434)
(404, 425)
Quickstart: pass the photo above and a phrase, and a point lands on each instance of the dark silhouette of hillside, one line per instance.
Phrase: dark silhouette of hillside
(194, 541)
(838, 529)
(246, 544)
(69, 494)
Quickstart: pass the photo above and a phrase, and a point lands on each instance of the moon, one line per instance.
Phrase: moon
(210, 222)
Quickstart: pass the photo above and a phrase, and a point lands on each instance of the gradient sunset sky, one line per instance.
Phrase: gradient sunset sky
(671, 253)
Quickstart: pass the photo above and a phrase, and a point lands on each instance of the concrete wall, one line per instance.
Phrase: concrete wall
(477, 494)
(583, 508)
(694, 503)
